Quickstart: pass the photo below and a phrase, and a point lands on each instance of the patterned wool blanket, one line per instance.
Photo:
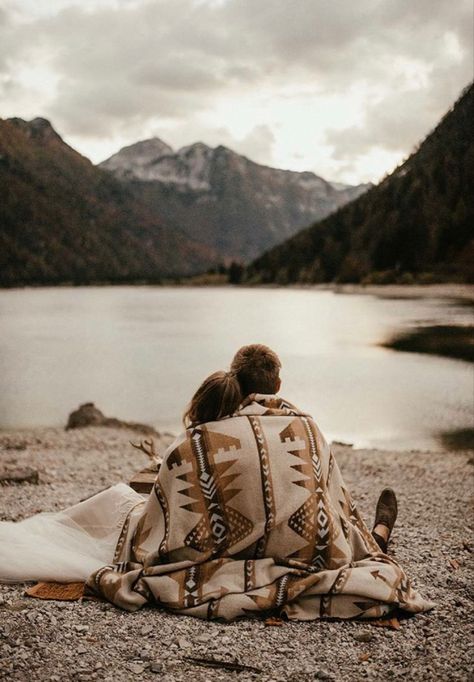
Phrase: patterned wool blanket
(250, 514)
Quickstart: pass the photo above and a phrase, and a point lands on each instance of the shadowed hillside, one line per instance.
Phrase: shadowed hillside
(416, 224)
(233, 205)
(64, 220)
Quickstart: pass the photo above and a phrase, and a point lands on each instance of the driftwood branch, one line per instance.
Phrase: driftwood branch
(226, 665)
(24, 475)
(148, 447)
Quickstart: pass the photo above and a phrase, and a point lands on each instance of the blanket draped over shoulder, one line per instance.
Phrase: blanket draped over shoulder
(250, 514)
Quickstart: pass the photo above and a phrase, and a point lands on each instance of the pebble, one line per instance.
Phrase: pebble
(323, 675)
(203, 639)
(136, 667)
(81, 628)
(364, 636)
(16, 605)
(157, 667)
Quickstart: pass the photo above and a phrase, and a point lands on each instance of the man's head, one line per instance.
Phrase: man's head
(257, 369)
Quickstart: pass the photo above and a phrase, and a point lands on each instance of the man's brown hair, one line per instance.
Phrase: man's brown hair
(257, 368)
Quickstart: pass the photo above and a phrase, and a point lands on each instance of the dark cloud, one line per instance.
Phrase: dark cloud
(175, 74)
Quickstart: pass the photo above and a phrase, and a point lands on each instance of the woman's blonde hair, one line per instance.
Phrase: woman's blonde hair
(218, 396)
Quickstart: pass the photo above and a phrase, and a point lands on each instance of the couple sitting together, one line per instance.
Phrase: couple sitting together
(248, 514)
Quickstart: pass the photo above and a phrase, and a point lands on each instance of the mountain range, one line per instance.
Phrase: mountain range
(227, 202)
(150, 213)
(146, 213)
(417, 224)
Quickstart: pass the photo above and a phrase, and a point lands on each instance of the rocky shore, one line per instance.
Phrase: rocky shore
(452, 292)
(47, 640)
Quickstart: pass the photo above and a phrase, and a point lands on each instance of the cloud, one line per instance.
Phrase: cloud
(110, 69)
(257, 144)
(400, 119)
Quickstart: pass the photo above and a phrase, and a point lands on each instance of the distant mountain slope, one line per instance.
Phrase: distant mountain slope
(63, 219)
(420, 219)
(222, 198)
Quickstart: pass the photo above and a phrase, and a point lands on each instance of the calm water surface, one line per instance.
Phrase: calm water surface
(140, 352)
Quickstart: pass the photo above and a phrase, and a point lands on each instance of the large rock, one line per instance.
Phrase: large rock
(89, 415)
(85, 415)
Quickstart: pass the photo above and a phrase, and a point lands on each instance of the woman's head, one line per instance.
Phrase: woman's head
(218, 396)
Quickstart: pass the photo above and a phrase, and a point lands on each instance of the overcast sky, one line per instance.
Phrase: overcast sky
(345, 89)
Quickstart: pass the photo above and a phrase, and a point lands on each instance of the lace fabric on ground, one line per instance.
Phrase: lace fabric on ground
(66, 546)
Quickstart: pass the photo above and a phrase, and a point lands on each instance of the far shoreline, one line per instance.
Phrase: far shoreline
(449, 290)
(456, 440)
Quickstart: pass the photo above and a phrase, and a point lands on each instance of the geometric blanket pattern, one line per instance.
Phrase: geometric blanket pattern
(249, 515)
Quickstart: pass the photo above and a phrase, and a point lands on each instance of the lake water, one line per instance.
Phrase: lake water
(140, 352)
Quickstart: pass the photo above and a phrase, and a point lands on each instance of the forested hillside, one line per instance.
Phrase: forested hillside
(417, 224)
(64, 220)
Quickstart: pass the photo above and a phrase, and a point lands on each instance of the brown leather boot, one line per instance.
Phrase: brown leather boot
(386, 515)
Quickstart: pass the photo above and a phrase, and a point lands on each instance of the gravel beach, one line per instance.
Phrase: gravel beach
(51, 640)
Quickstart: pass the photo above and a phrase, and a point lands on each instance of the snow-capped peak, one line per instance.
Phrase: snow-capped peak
(136, 158)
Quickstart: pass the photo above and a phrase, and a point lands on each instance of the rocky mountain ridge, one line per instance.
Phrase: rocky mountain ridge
(223, 198)
(189, 167)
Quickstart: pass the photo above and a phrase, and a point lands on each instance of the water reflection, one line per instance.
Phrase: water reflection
(140, 352)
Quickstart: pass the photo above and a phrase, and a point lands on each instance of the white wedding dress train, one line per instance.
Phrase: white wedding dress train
(69, 545)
